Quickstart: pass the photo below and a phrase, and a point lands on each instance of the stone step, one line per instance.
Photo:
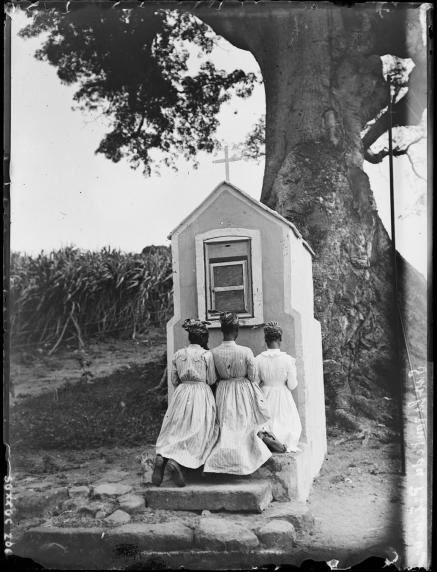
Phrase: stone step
(216, 559)
(214, 494)
(160, 560)
(289, 474)
(218, 542)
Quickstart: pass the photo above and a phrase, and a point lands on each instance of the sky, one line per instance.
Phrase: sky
(62, 193)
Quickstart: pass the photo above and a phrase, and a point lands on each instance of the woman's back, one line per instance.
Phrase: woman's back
(192, 363)
(233, 361)
(276, 368)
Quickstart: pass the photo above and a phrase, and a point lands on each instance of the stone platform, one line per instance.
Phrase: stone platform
(284, 477)
(214, 494)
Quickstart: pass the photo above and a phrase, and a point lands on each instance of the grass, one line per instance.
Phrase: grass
(113, 411)
(71, 293)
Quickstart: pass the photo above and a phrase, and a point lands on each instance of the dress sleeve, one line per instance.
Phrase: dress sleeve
(291, 373)
(211, 376)
(252, 372)
(174, 373)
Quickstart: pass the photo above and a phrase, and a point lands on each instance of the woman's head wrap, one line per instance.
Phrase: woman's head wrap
(196, 327)
(272, 329)
(228, 319)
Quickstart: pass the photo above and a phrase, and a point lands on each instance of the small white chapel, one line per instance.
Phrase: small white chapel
(234, 253)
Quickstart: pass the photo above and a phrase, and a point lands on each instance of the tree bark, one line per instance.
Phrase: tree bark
(323, 82)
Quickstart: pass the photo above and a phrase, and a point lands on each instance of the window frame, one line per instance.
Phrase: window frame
(253, 290)
(211, 289)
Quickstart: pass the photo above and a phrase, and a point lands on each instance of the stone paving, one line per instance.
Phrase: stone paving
(117, 527)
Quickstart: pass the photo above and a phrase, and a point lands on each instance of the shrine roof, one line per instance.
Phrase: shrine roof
(224, 185)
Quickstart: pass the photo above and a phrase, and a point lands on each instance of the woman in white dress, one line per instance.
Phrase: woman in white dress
(189, 429)
(241, 410)
(277, 376)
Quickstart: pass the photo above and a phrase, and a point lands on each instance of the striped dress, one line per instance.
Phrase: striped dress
(241, 413)
(189, 429)
(277, 375)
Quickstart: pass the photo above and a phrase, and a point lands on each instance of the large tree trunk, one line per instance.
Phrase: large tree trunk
(323, 82)
(315, 95)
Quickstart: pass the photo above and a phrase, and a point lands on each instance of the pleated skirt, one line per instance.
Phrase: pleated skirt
(284, 421)
(241, 413)
(189, 429)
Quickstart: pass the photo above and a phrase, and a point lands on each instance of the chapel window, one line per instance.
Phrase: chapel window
(228, 276)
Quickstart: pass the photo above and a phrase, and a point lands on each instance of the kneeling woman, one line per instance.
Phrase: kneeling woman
(277, 375)
(240, 407)
(189, 430)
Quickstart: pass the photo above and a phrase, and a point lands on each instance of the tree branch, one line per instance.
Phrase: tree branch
(401, 116)
(415, 171)
(140, 126)
(375, 158)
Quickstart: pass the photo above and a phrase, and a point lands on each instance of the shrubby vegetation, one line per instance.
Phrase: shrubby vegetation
(73, 293)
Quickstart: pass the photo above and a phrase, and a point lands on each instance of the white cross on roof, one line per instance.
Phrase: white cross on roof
(226, 160)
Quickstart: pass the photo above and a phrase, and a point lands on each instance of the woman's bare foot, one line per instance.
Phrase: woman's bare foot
(272, 443)
(158, 470)
(176, 473)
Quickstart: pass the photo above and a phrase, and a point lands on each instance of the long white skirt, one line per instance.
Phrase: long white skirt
(284, 418)
(190, 429)
(241, 413)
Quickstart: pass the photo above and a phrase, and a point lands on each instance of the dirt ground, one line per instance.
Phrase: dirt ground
(356, 500)
(33, 373)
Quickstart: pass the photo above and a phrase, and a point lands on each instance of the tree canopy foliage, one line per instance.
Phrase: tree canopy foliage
(132, 65)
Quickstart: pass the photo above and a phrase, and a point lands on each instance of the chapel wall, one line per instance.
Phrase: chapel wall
(228, 211)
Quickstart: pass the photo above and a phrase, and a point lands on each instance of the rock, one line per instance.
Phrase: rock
(277, 534)
(146, 461)
(92, 508)
(160, 536)
(100, 514)
(206, 513)
(113, 476)
(104, 490)
(71, 504)
(220, 534)
(79, 492)
(30, 503)
(132, 503)
(118, 517)
(283, 471)
(42, 486)
(240, 495)
(297, 513)
(80, 482)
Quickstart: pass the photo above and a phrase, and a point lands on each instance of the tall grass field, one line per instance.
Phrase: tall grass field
(72, 293)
